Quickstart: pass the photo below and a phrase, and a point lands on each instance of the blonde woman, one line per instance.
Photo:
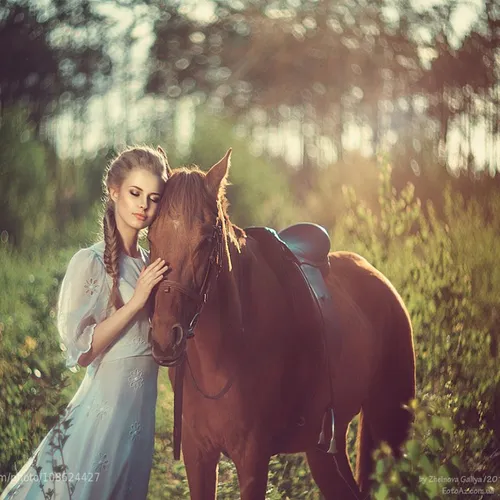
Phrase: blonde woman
(102, 447)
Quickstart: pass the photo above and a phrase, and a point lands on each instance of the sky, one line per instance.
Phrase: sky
(463, 17)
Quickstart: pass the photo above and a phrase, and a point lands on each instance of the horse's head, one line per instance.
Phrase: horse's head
(190, 233)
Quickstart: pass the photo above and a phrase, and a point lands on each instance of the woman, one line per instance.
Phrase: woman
(102, 447)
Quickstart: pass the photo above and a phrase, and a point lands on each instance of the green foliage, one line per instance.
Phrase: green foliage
(45, 201)
(289, 478)
(31, 362)
(428, 463)
(25, 198)
(430, 466)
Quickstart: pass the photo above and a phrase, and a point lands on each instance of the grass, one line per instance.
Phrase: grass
(168, 477)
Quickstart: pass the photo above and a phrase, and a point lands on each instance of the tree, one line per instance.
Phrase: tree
(50, 53)
(24, 202)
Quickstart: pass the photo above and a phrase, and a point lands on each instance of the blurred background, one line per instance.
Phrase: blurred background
(379, 120)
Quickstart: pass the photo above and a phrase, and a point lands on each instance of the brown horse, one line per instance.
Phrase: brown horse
(256, 385)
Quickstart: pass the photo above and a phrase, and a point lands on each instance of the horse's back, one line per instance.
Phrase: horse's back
(367, 286)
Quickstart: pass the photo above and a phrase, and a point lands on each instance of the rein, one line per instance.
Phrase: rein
(216, 396)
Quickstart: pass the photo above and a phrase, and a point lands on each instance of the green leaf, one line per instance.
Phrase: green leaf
(413, 449)
(382, 493)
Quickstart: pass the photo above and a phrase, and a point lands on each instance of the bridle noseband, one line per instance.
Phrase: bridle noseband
(200, 296)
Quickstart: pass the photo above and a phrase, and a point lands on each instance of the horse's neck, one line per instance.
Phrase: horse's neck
(229, 289)
(222, 321)
(231, 331)
(250, 283)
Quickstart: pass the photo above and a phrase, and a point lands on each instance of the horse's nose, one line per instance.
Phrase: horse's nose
(177, 334)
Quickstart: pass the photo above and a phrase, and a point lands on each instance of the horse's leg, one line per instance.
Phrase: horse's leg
(252, 467)
(333, 473)
(201, 468)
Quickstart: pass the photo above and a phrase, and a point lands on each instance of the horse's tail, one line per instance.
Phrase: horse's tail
(384, 415)
(364, 449)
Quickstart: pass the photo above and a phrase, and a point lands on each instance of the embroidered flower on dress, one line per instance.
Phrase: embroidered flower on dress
(98, 408)
(101, 463)
(135, 430)
(136, 379)
(101, 410)
(91, 286)
(138, 340)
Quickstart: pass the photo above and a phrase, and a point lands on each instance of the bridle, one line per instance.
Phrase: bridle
(200, 296)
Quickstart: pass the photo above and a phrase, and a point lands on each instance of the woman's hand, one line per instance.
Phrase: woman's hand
(149, 277)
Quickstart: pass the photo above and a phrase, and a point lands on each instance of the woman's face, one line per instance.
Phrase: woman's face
(136, 201)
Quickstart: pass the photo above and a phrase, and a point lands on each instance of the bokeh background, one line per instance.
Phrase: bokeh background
(378, 119)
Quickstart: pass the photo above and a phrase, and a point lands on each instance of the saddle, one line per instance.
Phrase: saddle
(298, 255)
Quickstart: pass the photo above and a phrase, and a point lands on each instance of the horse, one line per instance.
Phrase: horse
(256, 385)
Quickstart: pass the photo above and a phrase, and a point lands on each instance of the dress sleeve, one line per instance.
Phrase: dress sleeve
(80, 302)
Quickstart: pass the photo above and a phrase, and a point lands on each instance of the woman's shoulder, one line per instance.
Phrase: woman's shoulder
(96, 252)
(97, 248)
(91, 254)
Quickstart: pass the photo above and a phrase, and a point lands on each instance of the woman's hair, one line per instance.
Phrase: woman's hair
(144, 158)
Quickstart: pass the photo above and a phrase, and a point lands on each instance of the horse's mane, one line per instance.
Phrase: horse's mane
(186, 193)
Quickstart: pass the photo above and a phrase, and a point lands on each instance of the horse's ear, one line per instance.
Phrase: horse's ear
(162, 152)
(217, 175)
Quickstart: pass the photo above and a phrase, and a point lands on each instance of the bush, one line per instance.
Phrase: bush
(32, 367)
(446, 273)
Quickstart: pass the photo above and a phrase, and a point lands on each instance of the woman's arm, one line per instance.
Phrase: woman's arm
(111, 328)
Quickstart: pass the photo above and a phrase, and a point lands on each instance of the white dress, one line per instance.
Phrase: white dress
(102, 447)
